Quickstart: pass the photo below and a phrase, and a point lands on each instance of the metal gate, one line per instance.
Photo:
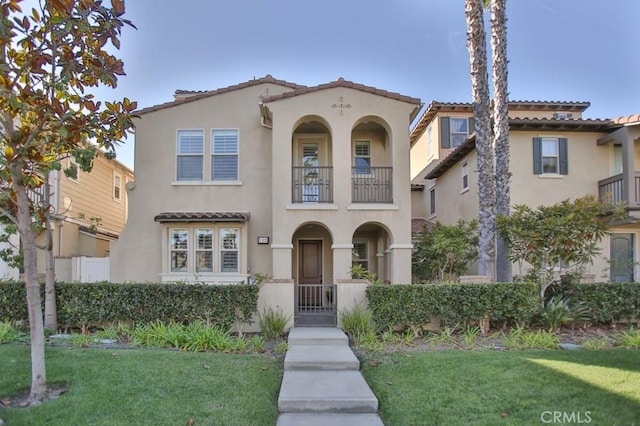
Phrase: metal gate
(315, 305)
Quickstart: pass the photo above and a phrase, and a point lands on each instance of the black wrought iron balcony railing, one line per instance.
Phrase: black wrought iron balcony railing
(372, 184)
(312, 184)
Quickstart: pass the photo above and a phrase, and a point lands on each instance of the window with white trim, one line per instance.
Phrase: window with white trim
(360, 253)
(117, 186)
(204, 249)
(550, 156)
(179, 250)
(429, 142)
(432, 201)
(465, 175)
(459, 131)
(190, 155)
(229, 250)
(362, 157)
(224, 154)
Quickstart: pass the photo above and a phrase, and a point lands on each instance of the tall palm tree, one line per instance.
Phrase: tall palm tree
(476, 45)
(504, 271)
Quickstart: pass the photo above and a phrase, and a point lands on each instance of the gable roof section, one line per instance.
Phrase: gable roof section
(185, 96)
(341, 82)
(435, 107)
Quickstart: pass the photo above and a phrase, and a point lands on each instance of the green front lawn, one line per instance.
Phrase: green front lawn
(510, 388)
(145, 387)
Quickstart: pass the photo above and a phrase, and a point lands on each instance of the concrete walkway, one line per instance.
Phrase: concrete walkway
(322, 384)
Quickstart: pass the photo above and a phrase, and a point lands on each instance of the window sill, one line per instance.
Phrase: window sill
(204, 277)
(312, 206)
(372, 206)
(206, 183)
(464, 190)
(432, 216)
(551, 176)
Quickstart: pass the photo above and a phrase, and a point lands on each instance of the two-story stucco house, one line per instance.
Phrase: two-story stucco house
(89, 211)
(271, 177)
(555, 155)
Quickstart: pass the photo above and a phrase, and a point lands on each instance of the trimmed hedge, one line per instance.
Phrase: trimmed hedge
(456, 304)
(91, 304)
(608, 303)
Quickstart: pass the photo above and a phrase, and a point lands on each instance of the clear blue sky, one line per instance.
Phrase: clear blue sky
(569, 50)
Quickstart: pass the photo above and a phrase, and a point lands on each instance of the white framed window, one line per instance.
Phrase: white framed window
(360, 253)
(224, 154)
(117, 186)
(204, 249)
(362, 157)
(229, 250)
(190, 155)
(550, 155)
(459, 131)
(430, 152)
(71, 164)
(432, 201)
(465, 176)
(179, 250)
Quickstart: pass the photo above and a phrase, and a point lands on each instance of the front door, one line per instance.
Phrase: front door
(622, 263)
(310, 273)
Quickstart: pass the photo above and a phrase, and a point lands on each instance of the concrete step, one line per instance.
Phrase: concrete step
(310, 357)
(332, 419)
(307, 336)
(326, 391)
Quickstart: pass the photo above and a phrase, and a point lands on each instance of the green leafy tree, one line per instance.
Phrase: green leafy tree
(445, 250)
(49, 56)
(558, 239)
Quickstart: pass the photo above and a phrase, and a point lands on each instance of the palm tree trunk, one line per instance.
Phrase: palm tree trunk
(504, 269)
(476, 44)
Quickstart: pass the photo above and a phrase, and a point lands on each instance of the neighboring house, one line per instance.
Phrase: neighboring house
(271, 177)
(89, 212)
(555, 155)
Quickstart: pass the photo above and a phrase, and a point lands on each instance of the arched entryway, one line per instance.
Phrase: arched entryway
(371, 242)
(312, 263)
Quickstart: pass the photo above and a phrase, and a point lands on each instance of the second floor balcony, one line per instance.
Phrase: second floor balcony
(616, 189)
(315, 184)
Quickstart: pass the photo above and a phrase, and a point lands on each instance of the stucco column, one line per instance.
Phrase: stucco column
(341, 261)
(401, 263)
(281, 255)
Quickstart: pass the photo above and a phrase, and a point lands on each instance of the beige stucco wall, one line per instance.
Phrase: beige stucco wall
(588, 163)
(138, 255)
(343, 217)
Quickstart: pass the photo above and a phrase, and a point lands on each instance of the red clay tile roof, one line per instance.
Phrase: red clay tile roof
(418, 224)
(341, 82)
(202, 217)
(195, 95)
(436, 107)
(454, 156)
(628, 119)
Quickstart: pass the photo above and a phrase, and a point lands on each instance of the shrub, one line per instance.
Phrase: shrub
(457, 304)
(628, 339)
(559, 311)
(357, 321)
(605, 303)
(272, 323)
(8, 333)
(86, 305)
(522, 339)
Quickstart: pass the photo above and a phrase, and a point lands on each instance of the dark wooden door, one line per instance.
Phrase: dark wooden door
(622, 261)
(310, 273)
